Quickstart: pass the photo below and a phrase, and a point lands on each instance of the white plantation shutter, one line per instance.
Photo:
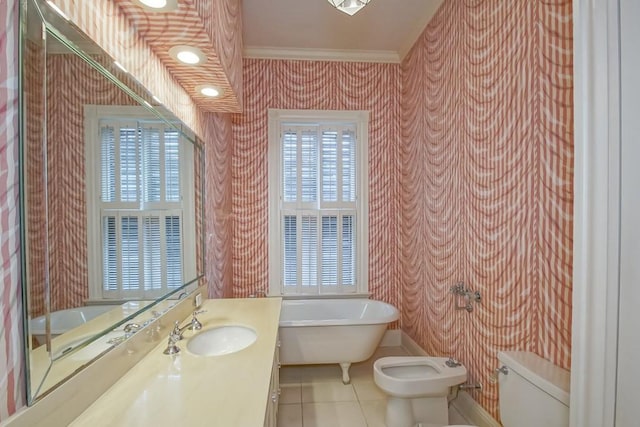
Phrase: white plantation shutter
(129, 158)
(141, 209)
(318, 208)
(172, 165)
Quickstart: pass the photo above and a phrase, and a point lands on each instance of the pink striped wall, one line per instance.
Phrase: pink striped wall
(218, 215)
(322, 86)
(34, 99)
(12, 387)
(486, 183)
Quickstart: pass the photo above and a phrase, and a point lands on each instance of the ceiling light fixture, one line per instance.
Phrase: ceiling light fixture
(158, 5)
(210, 91)
(350, 7)
(187, 55)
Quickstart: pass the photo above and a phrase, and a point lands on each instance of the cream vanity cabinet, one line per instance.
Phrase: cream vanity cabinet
(271, 416)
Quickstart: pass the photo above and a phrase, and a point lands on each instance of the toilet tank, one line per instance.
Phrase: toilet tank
(534, 393)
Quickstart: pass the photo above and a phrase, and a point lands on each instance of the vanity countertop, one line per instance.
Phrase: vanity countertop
(185, 389)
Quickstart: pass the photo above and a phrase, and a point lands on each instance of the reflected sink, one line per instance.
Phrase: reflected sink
(221, 340)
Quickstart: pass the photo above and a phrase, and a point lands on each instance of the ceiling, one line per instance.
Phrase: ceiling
(383, 31)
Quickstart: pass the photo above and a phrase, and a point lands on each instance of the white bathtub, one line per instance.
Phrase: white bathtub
(342, 331)
(65, 320)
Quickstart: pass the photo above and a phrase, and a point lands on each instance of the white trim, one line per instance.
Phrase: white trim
(361, 119)
(308, 54)
(411, 346)
(596, 211)
(472, 411)
(391, 338)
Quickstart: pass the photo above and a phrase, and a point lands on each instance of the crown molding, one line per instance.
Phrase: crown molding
(307, 54)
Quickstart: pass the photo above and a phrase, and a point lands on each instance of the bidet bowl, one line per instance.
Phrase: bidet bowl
(409, 377)
(221, 340)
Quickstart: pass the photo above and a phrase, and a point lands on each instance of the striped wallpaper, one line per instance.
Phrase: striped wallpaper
(12, 386)
(140, 40)
(323, 86)
(209, 25)
(218, 217)
(486, 183)
(34, 99)
(106, 24)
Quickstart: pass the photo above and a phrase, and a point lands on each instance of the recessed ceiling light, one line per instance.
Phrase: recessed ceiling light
(210, 91)
(188, 55)
(158, 5)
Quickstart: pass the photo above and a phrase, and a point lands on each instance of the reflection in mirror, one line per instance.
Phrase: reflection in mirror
(112, 201)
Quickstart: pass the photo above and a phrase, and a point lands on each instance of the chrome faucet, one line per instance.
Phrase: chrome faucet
(194, 325)
(130, 329)
(174, 336)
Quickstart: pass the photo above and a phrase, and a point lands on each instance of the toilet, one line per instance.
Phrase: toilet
(533, 392)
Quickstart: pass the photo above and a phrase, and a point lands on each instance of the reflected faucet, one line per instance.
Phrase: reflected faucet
(131, 328)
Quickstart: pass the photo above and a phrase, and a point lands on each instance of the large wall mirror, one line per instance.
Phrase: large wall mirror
(112, 198)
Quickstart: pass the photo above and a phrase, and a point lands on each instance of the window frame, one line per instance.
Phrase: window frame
(277, 118)
(93, 114)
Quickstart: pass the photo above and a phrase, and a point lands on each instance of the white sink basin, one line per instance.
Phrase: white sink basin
(221, 340)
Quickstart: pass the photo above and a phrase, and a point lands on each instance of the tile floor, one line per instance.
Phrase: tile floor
(314, 396)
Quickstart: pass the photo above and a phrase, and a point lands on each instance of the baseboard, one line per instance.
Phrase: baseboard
(469, 409)
(391, 338)
(411, 346)
(473, 412)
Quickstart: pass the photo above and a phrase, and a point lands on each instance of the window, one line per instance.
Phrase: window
(140, 193)
(318, 190)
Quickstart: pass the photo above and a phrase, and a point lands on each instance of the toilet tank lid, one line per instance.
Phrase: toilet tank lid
(540, 372)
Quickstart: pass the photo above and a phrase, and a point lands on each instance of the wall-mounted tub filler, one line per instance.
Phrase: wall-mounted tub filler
(460, 290)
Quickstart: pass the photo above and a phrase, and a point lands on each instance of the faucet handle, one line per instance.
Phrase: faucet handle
(493, 378)
(131, 328)
(195, 323)
(452, 363)
(176, 332)
(172, 348)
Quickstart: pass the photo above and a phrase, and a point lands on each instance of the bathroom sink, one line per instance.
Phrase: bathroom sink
(221, 340)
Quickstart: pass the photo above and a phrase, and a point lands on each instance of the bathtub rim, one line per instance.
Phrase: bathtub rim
(352, 321)
(36, 325)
